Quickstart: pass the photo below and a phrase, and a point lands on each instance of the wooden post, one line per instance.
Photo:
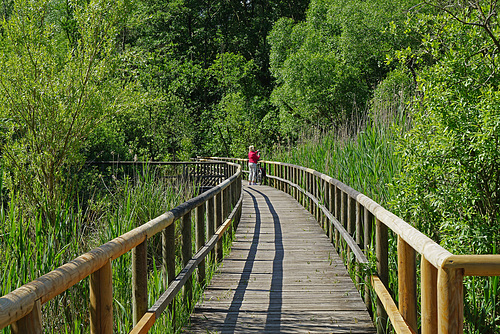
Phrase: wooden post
(450, 301)
(305, 181)
(368, 219)
(32, 322)
(187, 254)
(226, 208)
(338, 206)
(285, 176)
(428, 287)
(218, 222)
(316, 194)
(407, 283)
(331, 190)
(200, 240)
(351, 220)
(294, 177)
(139, 281)
(211, 222)
(303, 184)
(382, 269)
(278, 174)
(101, 300)
(359, 242)
(326, 192)
(310, 189)
(343, 220)
(168, 254)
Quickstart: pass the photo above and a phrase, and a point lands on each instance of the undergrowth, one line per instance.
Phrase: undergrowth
(29, 249)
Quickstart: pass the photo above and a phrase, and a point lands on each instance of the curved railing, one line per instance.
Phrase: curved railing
(21, 308)
(349, 218)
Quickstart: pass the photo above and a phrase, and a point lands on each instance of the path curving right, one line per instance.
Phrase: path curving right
(282, 276)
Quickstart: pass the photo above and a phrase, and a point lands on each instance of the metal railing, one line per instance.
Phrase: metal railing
(22, 307)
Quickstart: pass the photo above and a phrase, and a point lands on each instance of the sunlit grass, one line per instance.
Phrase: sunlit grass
(369, 163)
(29, 249)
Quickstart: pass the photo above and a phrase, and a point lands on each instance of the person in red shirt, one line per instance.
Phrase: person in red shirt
(253, 159)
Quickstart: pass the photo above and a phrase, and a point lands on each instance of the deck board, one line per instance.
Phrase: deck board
(282, 276)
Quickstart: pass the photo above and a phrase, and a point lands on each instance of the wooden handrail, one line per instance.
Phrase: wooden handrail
(167, 297)
(360, 256)
(441, 274)
(20, 303)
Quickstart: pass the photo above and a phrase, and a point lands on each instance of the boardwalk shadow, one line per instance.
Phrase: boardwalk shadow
(273, 314)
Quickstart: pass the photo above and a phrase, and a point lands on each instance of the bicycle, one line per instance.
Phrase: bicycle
(261, 175)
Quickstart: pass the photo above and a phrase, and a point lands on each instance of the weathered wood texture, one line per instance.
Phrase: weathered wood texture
(283, 276)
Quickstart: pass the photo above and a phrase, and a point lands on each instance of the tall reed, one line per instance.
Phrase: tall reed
(31, 249)
(369, 163)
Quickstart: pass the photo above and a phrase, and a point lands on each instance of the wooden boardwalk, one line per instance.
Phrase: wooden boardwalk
(282, 276)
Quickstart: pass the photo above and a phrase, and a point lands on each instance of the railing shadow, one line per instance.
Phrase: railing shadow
(234, 309)
(273, 314)
(273, 318)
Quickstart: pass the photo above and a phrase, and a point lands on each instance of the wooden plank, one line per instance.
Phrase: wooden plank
(399, 324)
(475, 265)
(360, 256)
(283, 275)
(145, 324)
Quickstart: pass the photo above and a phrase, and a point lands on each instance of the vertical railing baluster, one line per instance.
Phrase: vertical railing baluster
(168, 253)
(331, 191)
(218, 222)
(187, 254)
(368, 221)
(407, 283)
(289, 178)
(315, 193)
(200, 240)
(351, 222)
(343, 220)
(211, 222)
(382, 246)
(428, 290)
(225, 208)
(308, 188)
(303, 181)
(359, 242)
(338, 214)
(139, 281)
(450, 300)
(326, 190)
(101, 300)
(32, 322)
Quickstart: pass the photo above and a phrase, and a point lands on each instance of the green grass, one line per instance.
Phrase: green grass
(366, 162)
(369, 163)
(29, 249)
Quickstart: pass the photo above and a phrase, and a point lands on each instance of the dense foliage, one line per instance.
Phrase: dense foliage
(414, 85)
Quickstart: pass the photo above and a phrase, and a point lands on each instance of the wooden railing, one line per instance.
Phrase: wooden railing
(22, 307)
(205, 174)
(349, 218)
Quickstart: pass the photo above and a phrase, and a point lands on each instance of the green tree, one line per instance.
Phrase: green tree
(327, 67)
(451, 172)
(55, 92)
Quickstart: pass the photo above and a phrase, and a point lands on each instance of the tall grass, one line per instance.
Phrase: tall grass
(366, 162)
(29, 249)
(369, 163)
